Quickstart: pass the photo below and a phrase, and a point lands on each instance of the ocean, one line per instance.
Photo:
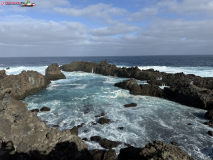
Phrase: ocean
(152, 119)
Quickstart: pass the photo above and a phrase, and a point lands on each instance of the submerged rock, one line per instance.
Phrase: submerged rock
(53, 72)
(104, 121)
(130, 105)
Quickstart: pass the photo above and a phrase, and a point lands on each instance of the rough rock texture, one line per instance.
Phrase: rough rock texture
(209, 114)
(104, 121)
(26, 132)
(23, 84)
(43, 109)
(105, 143)
(53, 72)
(156, 150)
(190, 95)
(103, 155)
(95, 138)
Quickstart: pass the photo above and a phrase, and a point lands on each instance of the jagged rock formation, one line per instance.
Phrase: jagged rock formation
(156, 150)
(53, 72)
(23, 84)
(26, 131)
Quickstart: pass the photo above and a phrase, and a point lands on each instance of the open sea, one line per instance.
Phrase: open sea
(152, 119)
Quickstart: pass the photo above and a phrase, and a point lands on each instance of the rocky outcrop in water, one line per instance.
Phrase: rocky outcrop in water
(188, 95)
(23, 84)
(156, 150)
(53, 72)
(209, 114)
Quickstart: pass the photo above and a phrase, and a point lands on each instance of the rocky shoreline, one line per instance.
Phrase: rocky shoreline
(24, 136)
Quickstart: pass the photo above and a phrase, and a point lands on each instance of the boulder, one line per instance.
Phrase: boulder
(129, 153)
(126, 84)
(53, 72)
(105, 143)
(104, 121)
(43, 109)
(210, 123)
(95, 138)
(209, 114)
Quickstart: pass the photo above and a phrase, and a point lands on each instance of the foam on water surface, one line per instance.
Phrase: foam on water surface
(153, 118)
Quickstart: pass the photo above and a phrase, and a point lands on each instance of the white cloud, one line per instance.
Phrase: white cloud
(119, 28)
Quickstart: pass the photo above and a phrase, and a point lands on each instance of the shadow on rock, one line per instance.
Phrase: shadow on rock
(62, 151)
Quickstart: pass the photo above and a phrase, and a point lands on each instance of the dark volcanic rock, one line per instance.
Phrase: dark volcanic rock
(23, 84)
(56, 126)
(81, 125)
(74, 130)
(209, 114)
(97, 154)
(103, 155)
(95, 138)
(121, 128)
(159, 150)
(189, 124)
(210, 123)
(210, 133)
(34, 110)
(130, 105)
(85, 139)
(53, 72)
(44, 109)
(129, 153)
(104, 121)
(102, 114)
(8, 68)
(174, 143)
(191, 95)
(126, 84)
(105, 143)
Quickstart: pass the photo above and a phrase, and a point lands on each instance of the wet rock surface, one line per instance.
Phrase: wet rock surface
(95, 138)
(209, 114)
(108, 144)
(53, 72)
(104, 121)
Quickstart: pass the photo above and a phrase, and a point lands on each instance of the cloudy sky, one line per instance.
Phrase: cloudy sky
(107, 28)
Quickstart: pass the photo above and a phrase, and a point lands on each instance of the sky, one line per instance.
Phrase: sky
(106, 28)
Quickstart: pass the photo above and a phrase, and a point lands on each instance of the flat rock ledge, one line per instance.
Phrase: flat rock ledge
(53, 72)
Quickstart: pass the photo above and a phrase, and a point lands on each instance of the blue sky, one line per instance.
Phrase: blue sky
(107, 28)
